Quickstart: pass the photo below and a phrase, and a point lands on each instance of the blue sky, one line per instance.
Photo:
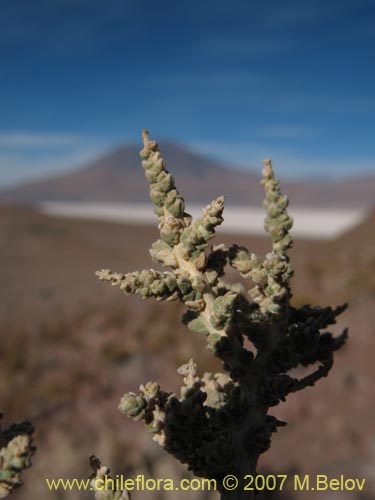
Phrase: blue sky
(236, 79)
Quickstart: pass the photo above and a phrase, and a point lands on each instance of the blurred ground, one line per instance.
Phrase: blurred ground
(71, 346)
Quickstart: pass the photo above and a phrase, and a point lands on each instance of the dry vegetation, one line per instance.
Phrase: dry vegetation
(71, 347)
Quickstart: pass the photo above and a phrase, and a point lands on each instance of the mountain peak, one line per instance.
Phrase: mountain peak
(117, 176)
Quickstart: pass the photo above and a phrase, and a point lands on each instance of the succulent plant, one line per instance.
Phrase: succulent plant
(100, 476)
(16, 450)
(220, 424)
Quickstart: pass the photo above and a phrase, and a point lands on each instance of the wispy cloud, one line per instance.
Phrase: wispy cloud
(211, 80)
(25, 139)
(239, 46)
(290, 13)
(286, 131)
(27, 155)
(288, 161)
(63, 25)
(15, 168)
